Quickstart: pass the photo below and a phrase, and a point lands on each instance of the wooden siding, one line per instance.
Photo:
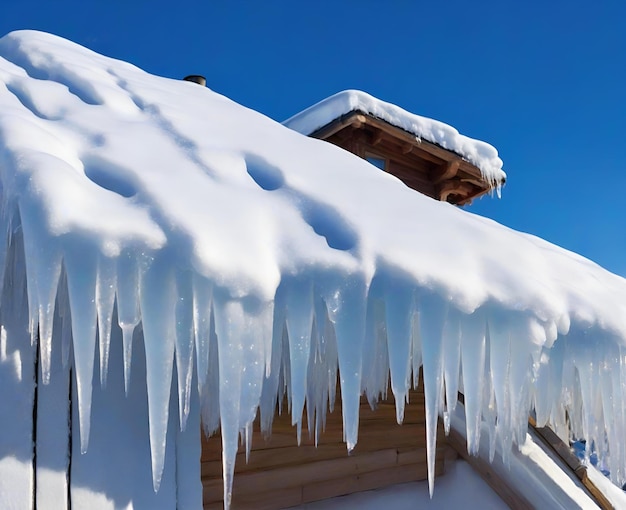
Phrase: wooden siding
(282, 474)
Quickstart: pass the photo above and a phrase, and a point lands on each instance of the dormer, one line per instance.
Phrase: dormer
(427, 155)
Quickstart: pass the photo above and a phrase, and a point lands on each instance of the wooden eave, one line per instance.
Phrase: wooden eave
(453, 178)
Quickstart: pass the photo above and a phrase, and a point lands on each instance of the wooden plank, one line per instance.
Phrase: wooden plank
(597, 494)
(305, 474)
(406, 437)
(549, 437)
(270, 500)
(367, 481)
(563, 451)
(371, 437)
(284, 434)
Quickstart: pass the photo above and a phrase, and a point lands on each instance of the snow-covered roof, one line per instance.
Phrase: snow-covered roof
(193, 214)
(479, 153)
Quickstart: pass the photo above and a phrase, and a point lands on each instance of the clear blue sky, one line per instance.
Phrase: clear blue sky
(543, 81)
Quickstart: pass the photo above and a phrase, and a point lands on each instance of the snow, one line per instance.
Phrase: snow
(181, 255)
(481, 154)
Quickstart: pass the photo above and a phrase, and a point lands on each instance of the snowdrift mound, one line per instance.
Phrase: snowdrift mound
(260, 262)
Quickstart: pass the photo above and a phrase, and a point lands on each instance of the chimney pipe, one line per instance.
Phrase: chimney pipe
(196, 78)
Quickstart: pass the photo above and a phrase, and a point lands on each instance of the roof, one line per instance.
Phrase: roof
(316, 117)
(217, 229)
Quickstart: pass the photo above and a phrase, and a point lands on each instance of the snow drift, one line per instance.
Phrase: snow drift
(250, 262)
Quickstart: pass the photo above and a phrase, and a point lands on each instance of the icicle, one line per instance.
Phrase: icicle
(284, 382)
(324, 386)
(332, 357)
(313, 390)
(614, 370)
(248, 440)
(583, 357)
(158, 302)
(210, 401)
(258, 327)
(31, 257)
(81, 271)
(202, 302)
(548, 383)
(322, 370)
(375, 351)
(432, 317)
(346, 309)
(240, 328)
(128, 312)
(524, 350)
(399, 309)
(229, 325)
(16, 277)
(489, 397)
(47, 285)
(43, 267)
(269, 394)
(452, 348)
(609, 410)
(473, 361)
(64, 305)
(416, 348)
(500, 360)
(105, 300)
(184, 343)
(299, 321)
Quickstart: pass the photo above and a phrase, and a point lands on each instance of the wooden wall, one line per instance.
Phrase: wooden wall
(281, 474)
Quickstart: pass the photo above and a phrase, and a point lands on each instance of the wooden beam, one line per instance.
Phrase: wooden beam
(563, 451)
(407, 147)
(454, 188)
(377, 137)
(450, 169)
